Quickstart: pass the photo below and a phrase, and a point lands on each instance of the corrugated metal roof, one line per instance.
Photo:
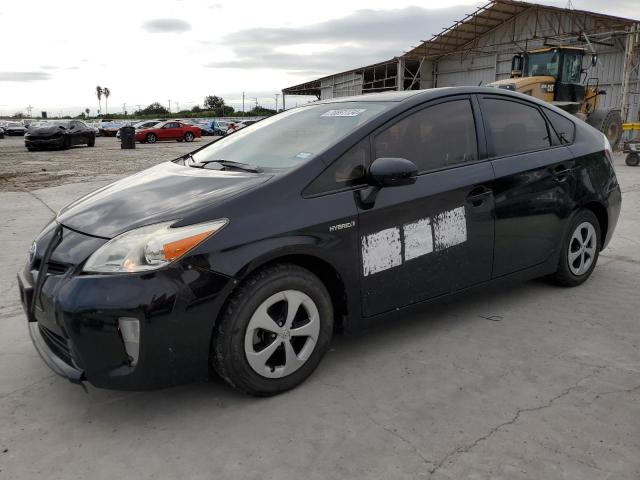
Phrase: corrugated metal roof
(486, 18)
(464, 32)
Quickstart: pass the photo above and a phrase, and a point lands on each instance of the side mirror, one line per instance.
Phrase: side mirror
(392, 172)
(594, 60)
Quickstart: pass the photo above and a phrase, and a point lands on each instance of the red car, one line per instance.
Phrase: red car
(170, 130)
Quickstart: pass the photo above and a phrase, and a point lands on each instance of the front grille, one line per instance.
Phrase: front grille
(53, 268)
(57, 344)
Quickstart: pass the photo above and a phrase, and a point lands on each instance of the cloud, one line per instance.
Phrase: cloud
(24, 76)
(48, 67)
(215, 6)
(361, 38)
(166, 25)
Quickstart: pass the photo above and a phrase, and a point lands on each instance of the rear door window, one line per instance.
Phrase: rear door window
(434, 137)
(514, 127)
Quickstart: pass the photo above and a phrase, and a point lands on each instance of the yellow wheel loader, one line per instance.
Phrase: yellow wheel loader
(554, 74)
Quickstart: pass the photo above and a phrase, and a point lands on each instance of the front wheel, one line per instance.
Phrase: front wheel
(580, 250)
(633, 159)
(274, 331)
(92, 141)
(151, 138)
(188, 137)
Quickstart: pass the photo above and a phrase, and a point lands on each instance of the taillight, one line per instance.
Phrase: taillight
(608, 151)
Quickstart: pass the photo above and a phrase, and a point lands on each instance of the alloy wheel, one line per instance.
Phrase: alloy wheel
(282, 334)
(582, 249)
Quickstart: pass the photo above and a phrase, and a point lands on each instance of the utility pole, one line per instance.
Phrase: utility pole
(169, 105)
(29, 108)
(629, 54)
(242, 102)
(177, 106)
(124, 108)
(277, 95)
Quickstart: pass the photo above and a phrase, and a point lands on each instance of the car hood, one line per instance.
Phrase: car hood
(165, 192)
(48, 130)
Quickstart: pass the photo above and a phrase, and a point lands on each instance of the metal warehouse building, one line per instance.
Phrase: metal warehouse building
(478, 50)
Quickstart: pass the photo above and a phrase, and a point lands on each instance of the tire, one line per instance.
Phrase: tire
(92, 141)
(580, 250)
(633, 159)
(188, 137)
(609, 122)
(31, 149)
(238, 331)
(151, 138)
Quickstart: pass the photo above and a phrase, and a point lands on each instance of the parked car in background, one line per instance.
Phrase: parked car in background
(241, 256)
(234, 127)
(212, 128)
(14, 128)
(169, 130)
(205, 128)
(59, 134)
(142, 125)
(110, 129)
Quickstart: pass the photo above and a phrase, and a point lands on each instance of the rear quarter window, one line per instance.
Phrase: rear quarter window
(564, 128)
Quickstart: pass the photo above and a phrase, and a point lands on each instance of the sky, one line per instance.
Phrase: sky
(55, 53)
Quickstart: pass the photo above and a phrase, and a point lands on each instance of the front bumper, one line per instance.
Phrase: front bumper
(35, 142)
(73, 319)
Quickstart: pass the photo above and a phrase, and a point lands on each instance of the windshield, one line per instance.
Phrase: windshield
(544, 63)
(51, 124)
(14, 124)
(293, 137)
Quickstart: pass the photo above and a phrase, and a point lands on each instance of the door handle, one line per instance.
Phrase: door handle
(560, 173)
(478, 195)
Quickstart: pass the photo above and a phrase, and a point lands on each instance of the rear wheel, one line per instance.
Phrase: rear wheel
(151, 138)
(92, 141)
(274, 331)
(609, 122)
(580, 250)
(633, 159)
(188, 137)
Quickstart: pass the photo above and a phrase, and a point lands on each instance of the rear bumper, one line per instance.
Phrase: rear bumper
(614, 204)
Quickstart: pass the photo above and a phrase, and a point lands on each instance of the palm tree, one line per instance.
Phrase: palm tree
(87, 111)
(99, 94)
(106, 93)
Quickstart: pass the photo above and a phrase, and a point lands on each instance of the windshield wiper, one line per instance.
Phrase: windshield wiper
(226, 164)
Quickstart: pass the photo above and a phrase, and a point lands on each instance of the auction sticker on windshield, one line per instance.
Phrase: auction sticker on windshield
(352, 112)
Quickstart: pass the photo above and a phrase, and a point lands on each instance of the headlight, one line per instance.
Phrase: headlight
(149, 248)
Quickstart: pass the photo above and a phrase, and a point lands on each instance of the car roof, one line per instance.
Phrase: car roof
(414, 97)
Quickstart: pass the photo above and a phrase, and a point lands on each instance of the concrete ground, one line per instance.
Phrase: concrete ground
(530, 382)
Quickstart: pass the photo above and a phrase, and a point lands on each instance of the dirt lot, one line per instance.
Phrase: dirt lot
(23, 170)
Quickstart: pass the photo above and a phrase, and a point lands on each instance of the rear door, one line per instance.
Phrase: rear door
(534, 183)
(427, 239)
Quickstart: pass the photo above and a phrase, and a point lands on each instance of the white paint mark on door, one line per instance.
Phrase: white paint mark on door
(381, 250)
(418, 239)
(450, 228)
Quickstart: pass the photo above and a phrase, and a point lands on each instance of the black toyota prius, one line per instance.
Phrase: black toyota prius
(244, 256)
